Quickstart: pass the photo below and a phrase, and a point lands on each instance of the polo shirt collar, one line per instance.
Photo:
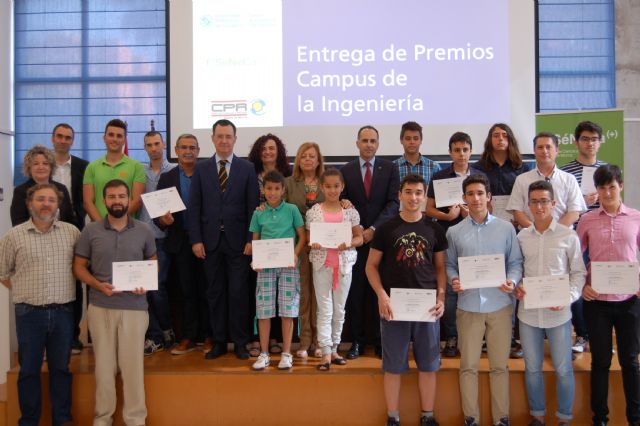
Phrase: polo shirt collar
(269, 208)
(122, 160)
(107, 225)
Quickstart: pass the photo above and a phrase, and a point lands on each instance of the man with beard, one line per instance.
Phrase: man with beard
(117, 319)
(35, 262)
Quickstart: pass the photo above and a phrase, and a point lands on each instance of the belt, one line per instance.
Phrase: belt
(49, 306)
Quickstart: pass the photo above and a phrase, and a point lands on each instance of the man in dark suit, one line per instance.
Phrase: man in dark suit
(69, 172)
(372, 185)
(195, 322)
(224, 193)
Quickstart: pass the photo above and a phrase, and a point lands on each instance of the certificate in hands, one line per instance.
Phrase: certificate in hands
(499, 205)
(158, 203)
(448, 191)
(128, 276)
(547, 291)
(330, 235)
(587, 186)
(614, 277)
(481, 271)
(412, 304)
(274, 253)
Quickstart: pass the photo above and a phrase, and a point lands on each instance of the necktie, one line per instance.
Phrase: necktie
(223, 178)
(367, 179)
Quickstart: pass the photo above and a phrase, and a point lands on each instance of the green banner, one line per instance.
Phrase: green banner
(564, 123)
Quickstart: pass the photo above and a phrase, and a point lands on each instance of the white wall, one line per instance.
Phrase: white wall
(7, 344)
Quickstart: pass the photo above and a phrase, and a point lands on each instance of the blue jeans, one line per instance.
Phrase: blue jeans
(159, 313)
(448, 322)
(532, 341)
(37, 329)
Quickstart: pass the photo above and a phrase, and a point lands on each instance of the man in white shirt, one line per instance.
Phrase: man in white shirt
(549, 248)
(568, 197)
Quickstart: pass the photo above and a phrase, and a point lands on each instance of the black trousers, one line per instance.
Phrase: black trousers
(602, 318)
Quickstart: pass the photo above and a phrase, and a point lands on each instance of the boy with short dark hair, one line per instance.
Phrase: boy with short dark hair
(277, 220)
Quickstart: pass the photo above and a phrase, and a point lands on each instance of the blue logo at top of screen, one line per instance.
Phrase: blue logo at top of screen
(257, 107)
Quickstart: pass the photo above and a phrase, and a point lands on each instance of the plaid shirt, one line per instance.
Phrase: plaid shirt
(425, 168)
(39, 264)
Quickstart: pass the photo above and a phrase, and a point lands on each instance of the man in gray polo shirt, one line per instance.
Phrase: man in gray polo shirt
(117, 320)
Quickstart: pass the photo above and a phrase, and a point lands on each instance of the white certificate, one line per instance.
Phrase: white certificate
(158, 203)
(546, 291)
(614, 277)
(127, 276)
(499, 205)
(481, 271)
(275, 253)
(412, 304)
(448, 191)
(586, 184)
(331, 235)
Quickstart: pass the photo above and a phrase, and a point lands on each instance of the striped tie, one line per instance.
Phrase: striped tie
(223, 177)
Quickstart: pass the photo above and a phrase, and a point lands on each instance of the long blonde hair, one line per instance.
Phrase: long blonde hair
(297, 171)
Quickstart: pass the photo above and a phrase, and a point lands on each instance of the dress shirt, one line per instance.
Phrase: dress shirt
(62, 174)
(363, 169)
(150, 186)
(556, 251)
(502, 177)
(493, 236)
(39, 263)
(610, 238)
(565, 187)
(227, 165)
(424, 167)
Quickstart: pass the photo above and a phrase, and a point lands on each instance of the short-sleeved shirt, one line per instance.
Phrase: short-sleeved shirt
(99, 172)
(102, 245)
(151, 185)
(279, 222)
(407, 252)
(39, 263)
(502, 177)
(424, 167)
(576, 168)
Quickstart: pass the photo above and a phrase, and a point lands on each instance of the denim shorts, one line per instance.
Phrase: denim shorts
(396, 336)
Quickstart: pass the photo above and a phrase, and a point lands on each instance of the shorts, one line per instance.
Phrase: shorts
(283, 283)
(396, 336)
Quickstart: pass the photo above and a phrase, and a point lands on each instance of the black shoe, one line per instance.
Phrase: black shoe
(218, 350)
(241, 352)
(354, 352)
(535, 422)
(391, 421)
(504, 421)
(76, 347)
(451, 347)
(599, 423)
(378, 351)
(428, 421)
(469, 421)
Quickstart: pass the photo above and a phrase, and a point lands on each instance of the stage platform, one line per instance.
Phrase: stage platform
(188, 390)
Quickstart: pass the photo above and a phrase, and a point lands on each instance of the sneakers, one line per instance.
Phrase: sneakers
(185, 346)
(286, 361)
(151, 347)
(76, 347)
(428, 421)
(262, 362)
(392, 421)
(516, 351)
(169, 338)
(451, 347)
(470, 421)
(504, 421)
(207, 346)
(580, 345)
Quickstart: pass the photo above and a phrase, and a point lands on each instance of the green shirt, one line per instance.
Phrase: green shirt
(99, 172)
(280, 222)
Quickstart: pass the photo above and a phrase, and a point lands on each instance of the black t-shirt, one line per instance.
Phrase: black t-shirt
(407, 252)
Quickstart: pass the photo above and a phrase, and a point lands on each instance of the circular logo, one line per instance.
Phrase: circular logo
(257, 106)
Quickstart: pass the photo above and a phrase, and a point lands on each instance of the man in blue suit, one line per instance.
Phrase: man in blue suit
(223, 195)
(372, 185)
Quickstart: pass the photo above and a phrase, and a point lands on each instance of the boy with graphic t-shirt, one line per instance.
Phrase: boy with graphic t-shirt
(408, 252)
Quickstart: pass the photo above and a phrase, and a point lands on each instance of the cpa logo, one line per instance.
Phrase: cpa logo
(257, 107)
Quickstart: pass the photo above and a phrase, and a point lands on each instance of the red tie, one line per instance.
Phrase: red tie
(367, 179)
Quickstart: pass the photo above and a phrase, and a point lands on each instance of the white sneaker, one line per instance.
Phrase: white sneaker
(286, 361)
(580, 345)
(262, 362)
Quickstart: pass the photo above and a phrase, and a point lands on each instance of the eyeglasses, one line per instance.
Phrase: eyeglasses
(586, 139)
(544, 202)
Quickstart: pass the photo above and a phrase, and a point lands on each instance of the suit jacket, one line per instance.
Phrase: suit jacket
(175, 232)
(211, 210)
(20, 213)
(382, 203)
(78, 166)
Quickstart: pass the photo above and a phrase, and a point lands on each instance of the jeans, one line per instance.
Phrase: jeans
(159, 314)
(37, 329)
(448, 322)
(532, 341)
(602, 317)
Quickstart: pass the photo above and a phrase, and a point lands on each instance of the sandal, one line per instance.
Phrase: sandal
(317, 353)
(275, 347)
(254, 349)
(323, 367)
(302, 353)
(339, 361)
